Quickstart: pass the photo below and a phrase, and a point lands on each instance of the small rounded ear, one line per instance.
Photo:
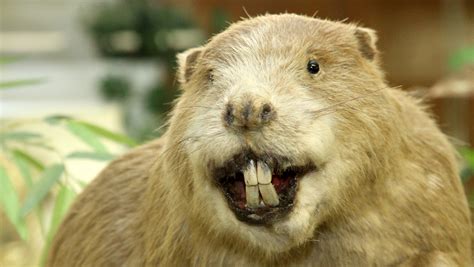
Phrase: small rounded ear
(367, 39)
(186, 63)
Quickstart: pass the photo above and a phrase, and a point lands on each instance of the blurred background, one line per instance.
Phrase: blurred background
(82, 81)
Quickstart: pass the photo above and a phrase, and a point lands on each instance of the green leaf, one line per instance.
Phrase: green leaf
(63, 201)
(119, 138)
(24, 168)
(8, 60)
(28, 158)
(462, 57)
(91, 155)
(61, 206)
(19, 136)
(56, 119)
(16, 83)
(40, 145)
(11, 205)
(97, 130)
(81, 183)
(468, 155)
(50, 176)
(86, 135)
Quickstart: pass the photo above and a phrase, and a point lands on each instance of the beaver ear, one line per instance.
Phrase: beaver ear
(367, 39)
(186, 63)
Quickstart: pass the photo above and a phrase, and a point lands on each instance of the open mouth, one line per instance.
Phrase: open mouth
(257, 189)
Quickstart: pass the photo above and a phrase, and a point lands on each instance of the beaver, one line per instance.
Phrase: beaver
(286, 148)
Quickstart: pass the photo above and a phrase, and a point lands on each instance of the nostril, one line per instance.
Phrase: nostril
(229, 114)
(266, 109)
(266, 113)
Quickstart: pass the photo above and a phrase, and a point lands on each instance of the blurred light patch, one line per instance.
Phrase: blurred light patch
(32, 42)
(183, 38)
(125, 41)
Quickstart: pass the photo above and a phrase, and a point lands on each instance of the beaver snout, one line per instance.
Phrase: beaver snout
(248, 112)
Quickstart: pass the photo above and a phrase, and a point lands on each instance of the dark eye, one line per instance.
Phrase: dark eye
(313, 66)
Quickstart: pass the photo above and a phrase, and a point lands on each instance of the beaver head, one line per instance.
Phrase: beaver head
(277, 127)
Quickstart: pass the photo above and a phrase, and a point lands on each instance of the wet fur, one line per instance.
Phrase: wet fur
(386, 192)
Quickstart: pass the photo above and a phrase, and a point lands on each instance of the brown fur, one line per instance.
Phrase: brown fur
(386, 192)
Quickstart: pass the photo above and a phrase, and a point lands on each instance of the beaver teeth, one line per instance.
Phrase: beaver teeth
(250, 174)
(252, 197)
(269, 194)
(264, 174)
(259, 179)
(251, 186)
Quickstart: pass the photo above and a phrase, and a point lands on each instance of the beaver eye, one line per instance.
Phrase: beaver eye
(313, 66)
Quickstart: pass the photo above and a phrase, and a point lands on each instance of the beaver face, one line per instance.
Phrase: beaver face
(258, 126)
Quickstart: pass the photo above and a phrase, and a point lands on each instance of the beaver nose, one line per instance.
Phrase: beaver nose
(248, 113)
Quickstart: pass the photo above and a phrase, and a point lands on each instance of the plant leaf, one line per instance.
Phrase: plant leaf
(41, 144)
(25, 171)
(468, 155)
(86, 135)
(28, 158)
(91, 155)
(97, 130)
(50, 176)
(16, 83)
(56, 119)
(8, 60)
(20, 136)
(81, 183)
(11, 205)
(119, 138)
(61, 206)
(63, 201)
(461, 58)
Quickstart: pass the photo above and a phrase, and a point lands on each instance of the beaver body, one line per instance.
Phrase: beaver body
(286, 148)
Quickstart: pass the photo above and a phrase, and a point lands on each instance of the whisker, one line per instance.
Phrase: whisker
(246, 12)
(194, 138)
(316, 112)
(204, 107)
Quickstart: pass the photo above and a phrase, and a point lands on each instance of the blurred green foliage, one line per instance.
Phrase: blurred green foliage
(149, 23)
(5, 85)
(146, 30)
(462, 57)
(159, 100)
(41, 179)
(220, 20)
(467, 174)
(115, 88)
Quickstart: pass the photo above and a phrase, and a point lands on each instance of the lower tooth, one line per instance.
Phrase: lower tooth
(269, 195)
(252, 196)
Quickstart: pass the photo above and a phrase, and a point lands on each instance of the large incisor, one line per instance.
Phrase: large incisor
(269, 195)
(258, 181)
(264, 174)
(252, 196)
(250, 174)
(251, 186)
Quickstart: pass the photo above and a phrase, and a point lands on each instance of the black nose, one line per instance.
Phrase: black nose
(248, 113)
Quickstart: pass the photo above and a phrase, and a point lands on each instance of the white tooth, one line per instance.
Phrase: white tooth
(252, 196)
(250, 174)
(269, 195)
(254, 216)
(264, 174)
